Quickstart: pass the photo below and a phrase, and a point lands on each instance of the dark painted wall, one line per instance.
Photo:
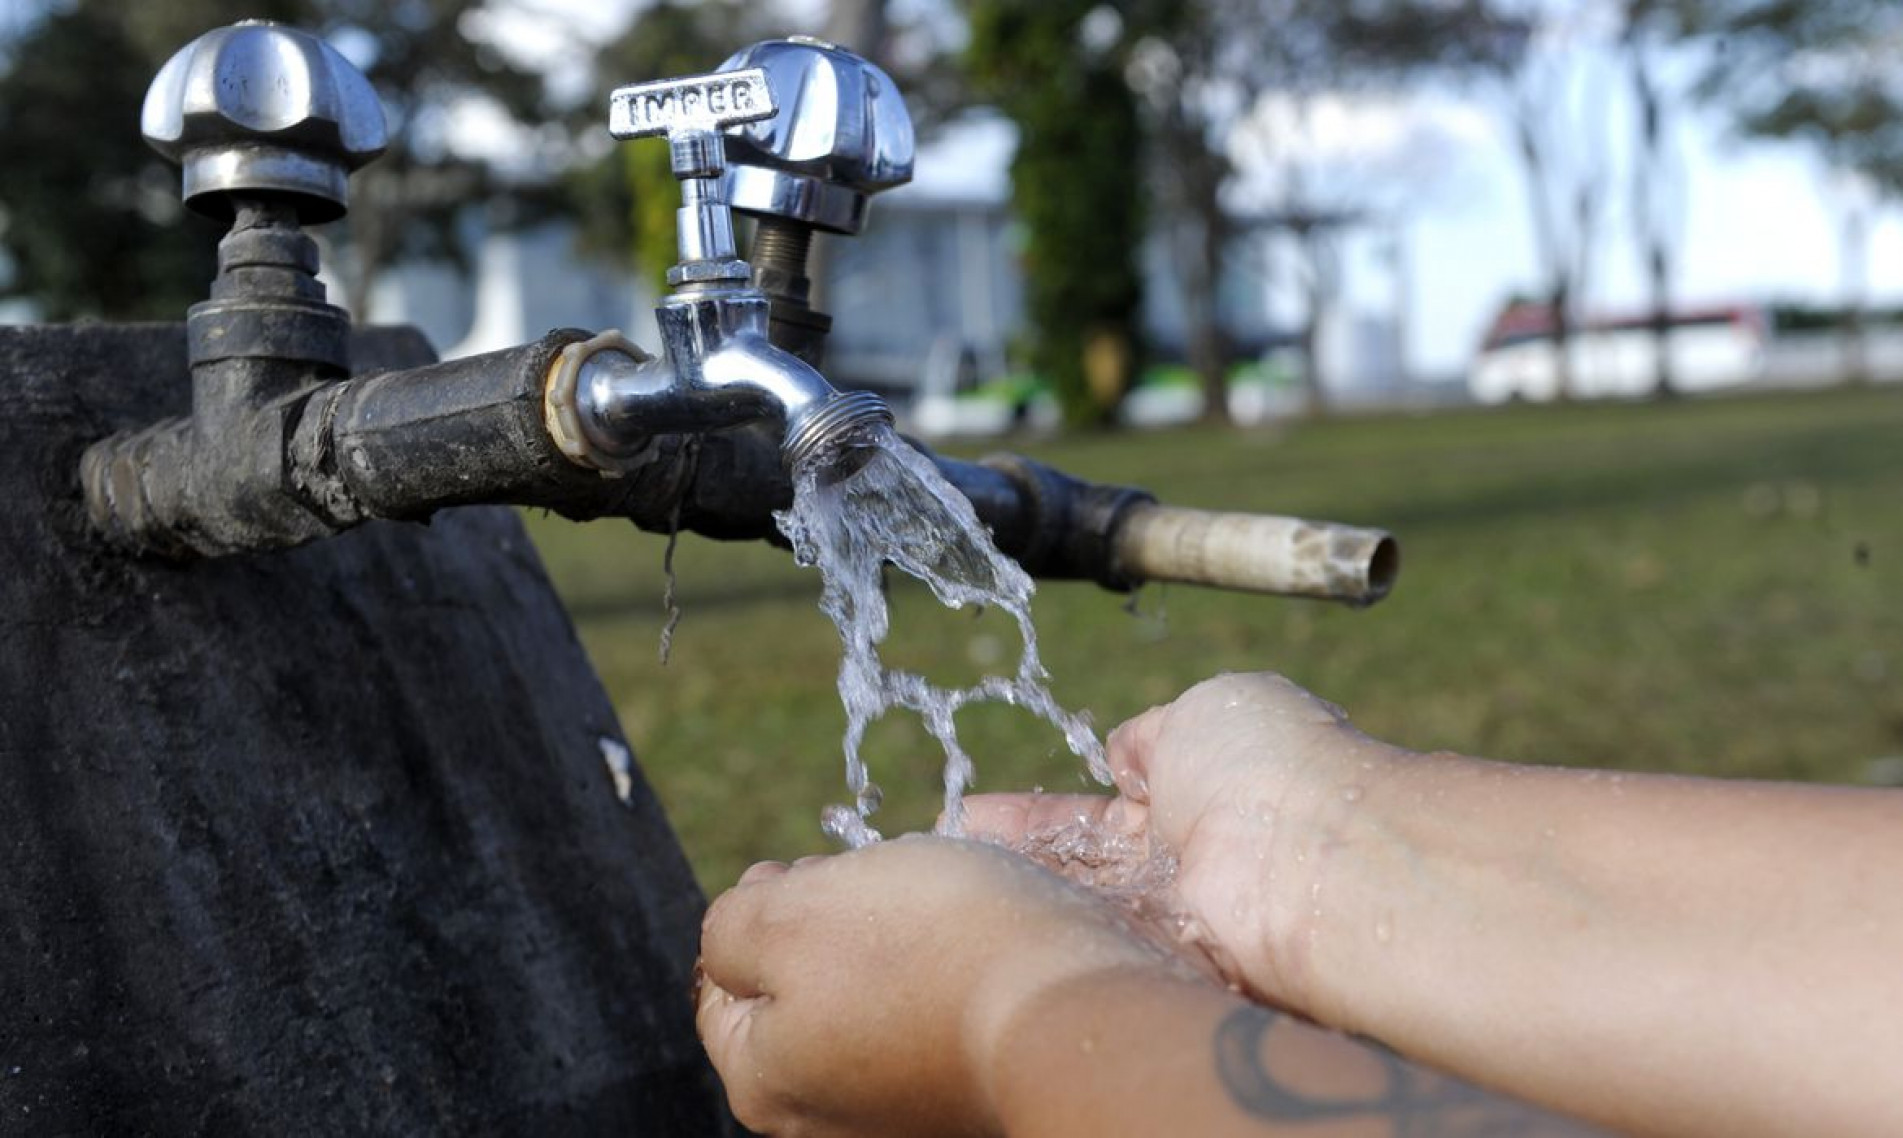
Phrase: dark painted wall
(318, 842)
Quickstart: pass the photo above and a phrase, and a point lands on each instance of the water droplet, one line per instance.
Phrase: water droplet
(843, 824)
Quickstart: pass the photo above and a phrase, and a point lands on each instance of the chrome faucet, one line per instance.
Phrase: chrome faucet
(718, 367)
(841, 135)
(286, 442)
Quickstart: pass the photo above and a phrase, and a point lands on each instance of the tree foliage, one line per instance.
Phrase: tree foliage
(1649, 31)
(1077, 191)
(1203, 67)
(1822, 71)
(93, 226)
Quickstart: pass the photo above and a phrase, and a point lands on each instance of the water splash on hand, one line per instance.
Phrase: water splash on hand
(1137, 875)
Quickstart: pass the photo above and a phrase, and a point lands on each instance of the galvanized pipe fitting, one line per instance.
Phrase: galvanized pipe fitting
(718, 370)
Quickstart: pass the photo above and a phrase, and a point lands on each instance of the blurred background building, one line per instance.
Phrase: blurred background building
(1240, 209)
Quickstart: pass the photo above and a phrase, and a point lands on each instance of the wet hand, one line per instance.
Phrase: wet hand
(867, 993)
(1243, 778)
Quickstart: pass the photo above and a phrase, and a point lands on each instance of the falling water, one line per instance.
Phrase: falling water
(897, 508)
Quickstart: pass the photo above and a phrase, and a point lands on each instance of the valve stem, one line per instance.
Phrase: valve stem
(778, 255)
(781, 246)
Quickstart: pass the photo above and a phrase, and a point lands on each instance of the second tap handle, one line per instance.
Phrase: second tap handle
(697, 103)
(691, 113)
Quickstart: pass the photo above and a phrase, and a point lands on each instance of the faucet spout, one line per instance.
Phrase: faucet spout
(748, 371)
(719, 370)
(815, 417)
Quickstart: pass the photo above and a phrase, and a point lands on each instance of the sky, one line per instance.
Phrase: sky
(1759, 224)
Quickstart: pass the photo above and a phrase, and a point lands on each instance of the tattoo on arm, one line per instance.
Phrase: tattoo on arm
(1418, 1103)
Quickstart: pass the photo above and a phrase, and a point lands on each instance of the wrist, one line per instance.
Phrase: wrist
(1317, 816)
(1038, 982)
(1391, 879)
(1093, 1039)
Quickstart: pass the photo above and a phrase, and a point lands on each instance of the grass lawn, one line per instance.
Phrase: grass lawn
(1713, 586)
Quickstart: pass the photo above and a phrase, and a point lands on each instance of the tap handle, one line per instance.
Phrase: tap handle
(691, 113)
(841, 135)
(697, 104)
(262, 110)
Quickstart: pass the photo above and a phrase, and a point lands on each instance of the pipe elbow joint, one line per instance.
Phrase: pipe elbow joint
(719, 370)
(813, 416)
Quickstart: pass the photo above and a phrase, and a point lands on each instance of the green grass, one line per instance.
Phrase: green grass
(1714, 587)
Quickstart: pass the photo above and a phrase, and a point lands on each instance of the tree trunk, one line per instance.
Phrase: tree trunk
(1649, 174)
(1209, 352)
(1546, 238)
(1664, 385)
(1314, 393)
(1208, 347)
(859, 25)
(1562, 305)
(1320, 294)
(1856, 349)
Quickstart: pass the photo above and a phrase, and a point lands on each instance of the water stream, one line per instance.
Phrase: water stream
(896, 508)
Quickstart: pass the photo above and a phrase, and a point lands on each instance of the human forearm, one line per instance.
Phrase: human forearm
(1717, 952)
(1138, 1053)
(1664, 955)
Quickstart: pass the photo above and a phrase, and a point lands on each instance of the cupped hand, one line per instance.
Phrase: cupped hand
(1243, 778)
(867, 993)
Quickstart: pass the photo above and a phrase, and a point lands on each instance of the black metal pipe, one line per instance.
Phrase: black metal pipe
(212, 484)
(401, 445)
(404, 444)
(279, 450)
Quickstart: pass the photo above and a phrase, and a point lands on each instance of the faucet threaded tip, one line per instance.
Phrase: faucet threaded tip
(831, 423)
